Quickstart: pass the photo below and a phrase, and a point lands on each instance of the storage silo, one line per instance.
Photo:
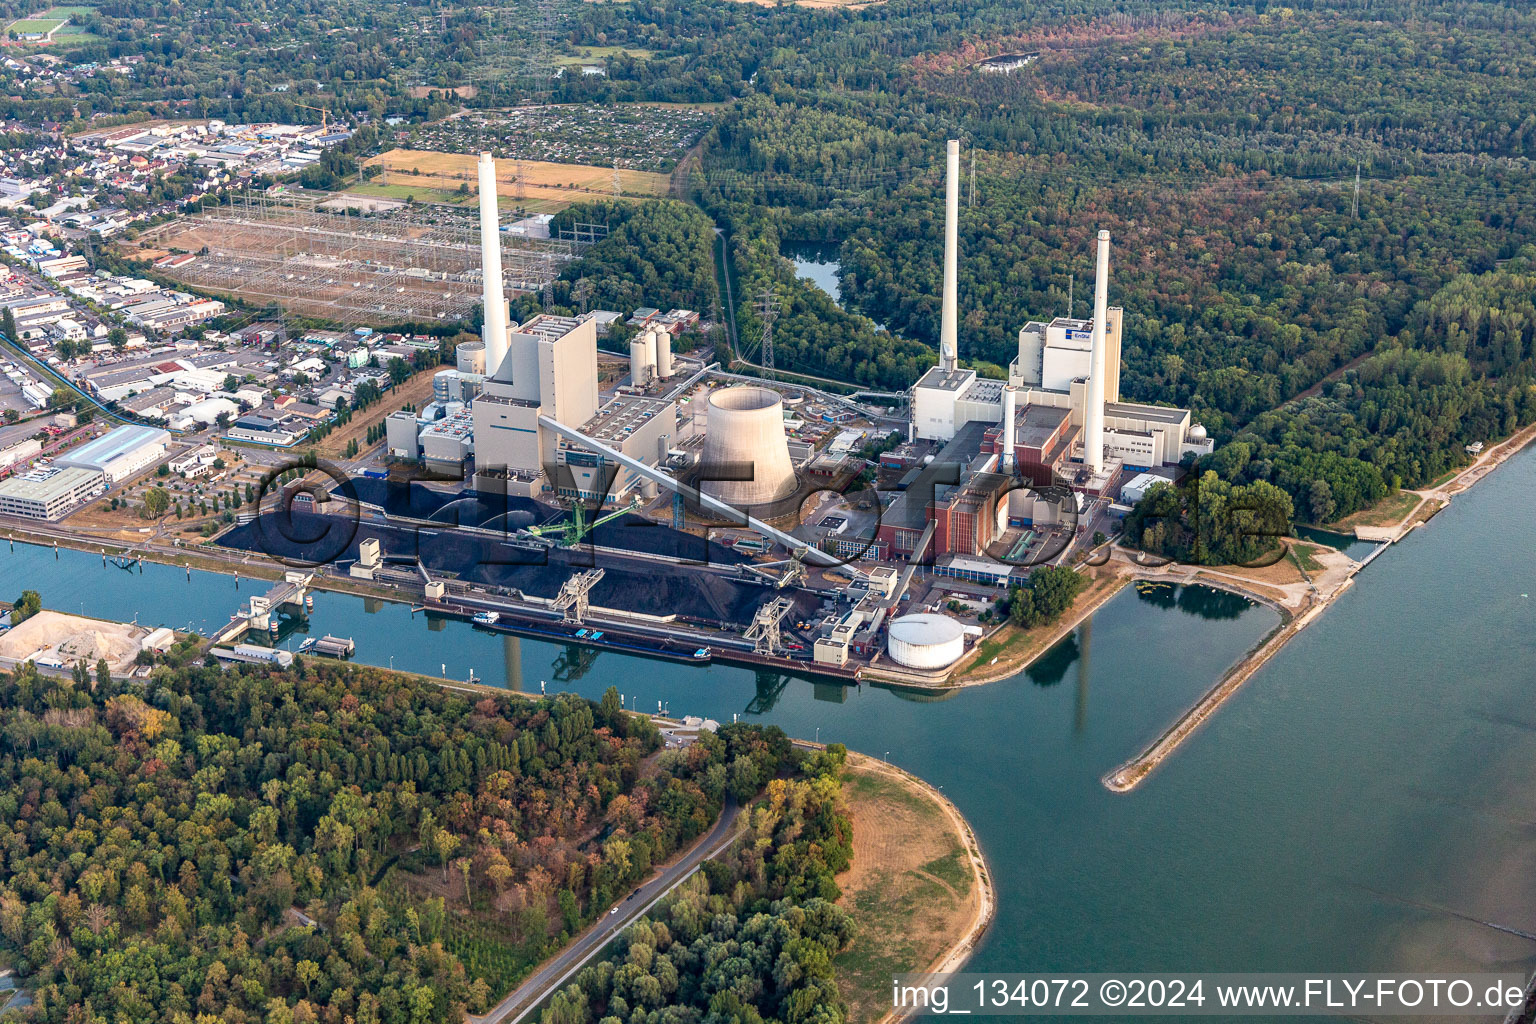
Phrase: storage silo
(649, 334)
(745, 444)
(663, 354)
(639, 361)
(925, 641)
(470, 357)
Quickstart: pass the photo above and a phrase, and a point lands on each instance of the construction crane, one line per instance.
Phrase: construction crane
(572, 530)
(325, 115)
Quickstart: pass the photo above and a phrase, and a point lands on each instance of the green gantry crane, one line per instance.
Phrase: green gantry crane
(576, 527)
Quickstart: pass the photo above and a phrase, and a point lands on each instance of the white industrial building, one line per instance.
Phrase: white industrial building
(119, 453)
(20, 451)
(1066, 363)
(50, 492)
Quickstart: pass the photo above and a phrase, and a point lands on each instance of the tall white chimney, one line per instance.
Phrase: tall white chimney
(1010, 410)
(1093, 440)
(495, 329)
(948, 348)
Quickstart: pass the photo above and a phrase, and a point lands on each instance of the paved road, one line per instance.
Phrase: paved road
(552, 975)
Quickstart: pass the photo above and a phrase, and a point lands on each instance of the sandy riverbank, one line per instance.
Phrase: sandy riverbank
(919, 888)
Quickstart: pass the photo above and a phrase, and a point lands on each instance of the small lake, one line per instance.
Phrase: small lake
(816, 262)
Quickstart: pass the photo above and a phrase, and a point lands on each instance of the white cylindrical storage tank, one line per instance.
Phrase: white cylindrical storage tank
(663, 354)
(446, 386)
(650, 349)
(745, 439)
(639, 361)
(925, 641)
(470, 357)
(1010, 411)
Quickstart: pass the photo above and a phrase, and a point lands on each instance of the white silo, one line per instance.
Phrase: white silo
(470, 357)
(639, 361)
(663, 354)
(745, 444)
(649, 334)
(925, 641)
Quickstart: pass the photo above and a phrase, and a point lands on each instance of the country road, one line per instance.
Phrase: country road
(556, 972)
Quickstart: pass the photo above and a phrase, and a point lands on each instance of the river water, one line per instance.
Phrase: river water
(1361, 804)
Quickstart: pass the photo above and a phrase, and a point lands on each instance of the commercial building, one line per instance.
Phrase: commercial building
(277, 431)
(119, 453)
(194, 462)
(51, 492)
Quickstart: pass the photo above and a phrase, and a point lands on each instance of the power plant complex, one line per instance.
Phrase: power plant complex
(987, 479)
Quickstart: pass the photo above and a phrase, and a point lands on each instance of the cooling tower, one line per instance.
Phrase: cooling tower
(470, 357)
(745, 438)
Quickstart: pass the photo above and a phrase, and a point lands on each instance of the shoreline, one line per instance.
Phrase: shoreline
(1134, 771)
(961, 949)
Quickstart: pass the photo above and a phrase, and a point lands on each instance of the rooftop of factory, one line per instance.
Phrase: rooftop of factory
(939, 379)
(909, 510)
(458, 425)
(117, 443)
(985, 389)
(622, 415)
(521, 403)
(1157, 413)
(1035, 424)
(548, 326)
(47, 483)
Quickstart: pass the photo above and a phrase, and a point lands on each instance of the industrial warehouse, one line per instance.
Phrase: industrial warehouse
(733, 514)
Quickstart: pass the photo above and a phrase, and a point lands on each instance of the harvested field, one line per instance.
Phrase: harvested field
(524, 181)
(911, 890)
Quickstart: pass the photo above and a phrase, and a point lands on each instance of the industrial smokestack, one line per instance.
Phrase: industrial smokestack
(1093, 442)
(948, 348)
(495, 330)
(1010, 410)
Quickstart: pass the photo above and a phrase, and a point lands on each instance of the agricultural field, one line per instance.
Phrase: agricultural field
(591, 54)
(536, 186)
(639, 137)
(54, 21)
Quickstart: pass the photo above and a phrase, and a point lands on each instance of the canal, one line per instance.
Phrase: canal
(1360, 805)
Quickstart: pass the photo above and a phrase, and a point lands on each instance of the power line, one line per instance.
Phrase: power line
(767, 310)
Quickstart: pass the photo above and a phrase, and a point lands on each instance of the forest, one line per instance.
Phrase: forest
(656, 254)
(164, 837)
(1205, 520)
(749, 939)
(1462, 370)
